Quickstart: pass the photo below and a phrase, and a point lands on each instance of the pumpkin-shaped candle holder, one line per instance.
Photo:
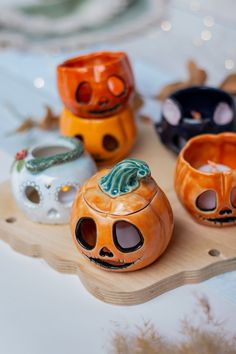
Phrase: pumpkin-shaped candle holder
(205, 179)
(45, 179)
(194, 111)
(96, 90)
(121, 220)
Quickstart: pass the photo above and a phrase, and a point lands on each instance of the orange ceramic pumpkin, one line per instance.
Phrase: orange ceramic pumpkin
(96, 85)
(205, 179)
(121, 220)
(107, 139)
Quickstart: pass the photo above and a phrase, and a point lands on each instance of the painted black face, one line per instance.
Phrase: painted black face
(126, 238)
(193, 111)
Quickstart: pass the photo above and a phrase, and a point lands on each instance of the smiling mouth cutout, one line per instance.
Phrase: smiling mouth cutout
(221, 221)
(105, 110)
(109, 264)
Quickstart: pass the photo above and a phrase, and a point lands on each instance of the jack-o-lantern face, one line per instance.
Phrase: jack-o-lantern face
(45, 179)
(108, 140)
(109, 218)
(96, 85)
(205, 179)
(194, 111)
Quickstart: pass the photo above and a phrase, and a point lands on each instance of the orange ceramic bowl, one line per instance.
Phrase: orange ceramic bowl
(107, 140)
(96, 85)
(205, 178)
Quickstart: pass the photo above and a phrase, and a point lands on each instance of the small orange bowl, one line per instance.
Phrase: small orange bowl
(96, 85)
(205, 178)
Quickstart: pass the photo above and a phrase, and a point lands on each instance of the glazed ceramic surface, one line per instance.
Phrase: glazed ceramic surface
(96, 85)
(193, 111)
(107, 139)
(121, 220)
(46, 177)
(210, 197)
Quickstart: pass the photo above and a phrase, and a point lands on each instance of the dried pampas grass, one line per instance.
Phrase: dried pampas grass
(147, 340)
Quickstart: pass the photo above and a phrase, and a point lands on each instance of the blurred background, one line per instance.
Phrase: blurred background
(172, 29)
(160, 36)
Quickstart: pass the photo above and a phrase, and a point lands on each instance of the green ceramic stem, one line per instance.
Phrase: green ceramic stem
(124, 177)
(39, 164)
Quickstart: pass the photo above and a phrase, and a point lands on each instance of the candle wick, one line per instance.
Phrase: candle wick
(213, 165)
(196, 115)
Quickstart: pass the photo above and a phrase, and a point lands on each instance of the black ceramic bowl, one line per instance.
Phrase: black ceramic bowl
(193, 111)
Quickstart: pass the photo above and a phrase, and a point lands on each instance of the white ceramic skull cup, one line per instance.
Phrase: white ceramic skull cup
(45, 179)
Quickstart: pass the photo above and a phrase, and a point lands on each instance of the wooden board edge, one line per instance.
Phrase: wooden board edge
(159, 288)
(37, 251)
(99, 291)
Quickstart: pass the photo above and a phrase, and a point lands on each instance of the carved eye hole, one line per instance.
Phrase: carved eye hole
(233, 197)
(84, 92)
(66, 195)
(32, 195)
(86, 233)
(127, 237)
(223, 114)
(116, 85)
(171, 111)
(206, 201)
(110, 143)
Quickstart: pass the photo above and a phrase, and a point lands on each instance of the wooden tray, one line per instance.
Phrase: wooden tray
(195, 253)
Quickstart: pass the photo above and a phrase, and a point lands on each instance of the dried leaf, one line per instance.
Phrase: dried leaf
(229, 84)
(170, 88)
(145, 119)
(138, 101)
(27, 124)
(196, 77)
(50, 121)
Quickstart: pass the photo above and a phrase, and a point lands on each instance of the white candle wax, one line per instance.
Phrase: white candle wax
(214, 167)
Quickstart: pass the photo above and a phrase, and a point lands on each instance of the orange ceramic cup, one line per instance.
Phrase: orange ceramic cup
(107, 140)
(121, 220)
(96, 85)
(205, 178)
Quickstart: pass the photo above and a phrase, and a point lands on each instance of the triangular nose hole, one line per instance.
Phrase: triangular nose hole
(105, 252)
(53, 213)
(225, 211)
(103, 101)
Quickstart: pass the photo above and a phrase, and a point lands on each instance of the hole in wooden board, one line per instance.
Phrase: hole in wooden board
(10, 220)
(214, 252)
